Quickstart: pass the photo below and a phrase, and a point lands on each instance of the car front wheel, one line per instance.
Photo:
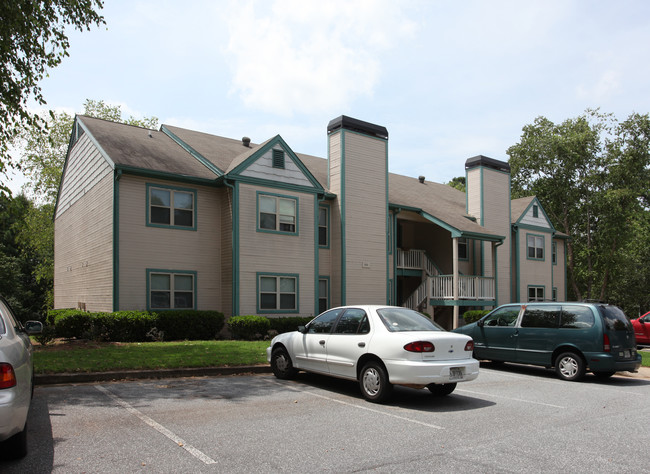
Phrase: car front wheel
(281, 364)
(569, 366)
(374, 383)
(440, 390)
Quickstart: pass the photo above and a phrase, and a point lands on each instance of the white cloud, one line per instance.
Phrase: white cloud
(307, 57)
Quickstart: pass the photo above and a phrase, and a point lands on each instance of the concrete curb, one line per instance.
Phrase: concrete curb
(89, 377)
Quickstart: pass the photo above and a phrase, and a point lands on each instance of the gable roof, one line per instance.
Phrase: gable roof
(136, 148)
(182, 152)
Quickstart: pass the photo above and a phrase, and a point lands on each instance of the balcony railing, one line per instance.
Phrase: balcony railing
(469, 287)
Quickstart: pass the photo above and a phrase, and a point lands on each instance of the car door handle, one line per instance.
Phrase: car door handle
(322, 342)
(362, 344)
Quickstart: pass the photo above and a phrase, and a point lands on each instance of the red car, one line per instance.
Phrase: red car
(642, 329)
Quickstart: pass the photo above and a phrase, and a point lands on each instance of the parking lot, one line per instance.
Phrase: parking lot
(511, 419)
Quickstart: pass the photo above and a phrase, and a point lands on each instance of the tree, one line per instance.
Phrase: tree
(591, 175)
(33, 39)
(458, 183)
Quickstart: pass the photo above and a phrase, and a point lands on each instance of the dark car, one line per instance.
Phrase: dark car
(571, 337)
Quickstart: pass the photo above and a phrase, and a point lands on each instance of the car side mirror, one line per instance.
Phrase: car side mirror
(480, 323)
(33, 327)
(302, 329)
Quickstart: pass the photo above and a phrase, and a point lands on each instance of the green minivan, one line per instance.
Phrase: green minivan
(571, 337)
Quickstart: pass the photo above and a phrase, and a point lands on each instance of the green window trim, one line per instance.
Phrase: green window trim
(181, 288)
(536, 244)
(323, 300)
(277, 293)
(536, 293)
(324, 227)
(172, 204)
(535, 210)
(277, 213)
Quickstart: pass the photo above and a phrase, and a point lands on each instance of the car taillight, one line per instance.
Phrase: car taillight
(469, 347)
(7, 376)
(606, 345)
(420, 346)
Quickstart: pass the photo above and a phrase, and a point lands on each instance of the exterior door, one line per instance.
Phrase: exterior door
(538, 334)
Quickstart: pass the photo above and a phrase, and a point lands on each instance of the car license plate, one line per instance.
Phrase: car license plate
(627, 354)
(455, 373)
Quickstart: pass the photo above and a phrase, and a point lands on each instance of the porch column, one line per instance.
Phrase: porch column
(454, 258)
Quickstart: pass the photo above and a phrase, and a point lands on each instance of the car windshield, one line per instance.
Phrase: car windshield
(615, 319)
(403, 319)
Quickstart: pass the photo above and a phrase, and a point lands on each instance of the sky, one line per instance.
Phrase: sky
(449, 80)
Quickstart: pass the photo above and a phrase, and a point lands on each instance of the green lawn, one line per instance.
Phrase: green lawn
(101, 357)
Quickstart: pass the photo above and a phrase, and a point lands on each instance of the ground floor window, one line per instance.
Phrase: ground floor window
(277, 293)
(323, 295)
(171, 289)
(535, 293)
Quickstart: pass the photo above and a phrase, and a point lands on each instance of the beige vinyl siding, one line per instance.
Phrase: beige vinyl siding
(226, 199)
(535, 272)
(263, 169)
(474, 193)
(275, 253)
(335, 218)
(142, 247)
(539, 221)
(83, 248)
(85, 167)
(365, 219)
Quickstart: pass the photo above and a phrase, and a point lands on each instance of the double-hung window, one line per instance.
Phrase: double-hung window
(171, 290)
(535, 247)
(277, 293)
(323, 225)
(277, 213)
(463, 249)
(171, 207)
(535, 293)
(554, 253)
(323, 295)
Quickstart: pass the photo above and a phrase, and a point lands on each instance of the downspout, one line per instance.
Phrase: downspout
(319, 198)
(517, 263)
(496, 274)
(235, 246)
(454, 271)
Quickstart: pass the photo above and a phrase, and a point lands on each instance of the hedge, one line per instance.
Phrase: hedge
(474, 315)
(137, 326)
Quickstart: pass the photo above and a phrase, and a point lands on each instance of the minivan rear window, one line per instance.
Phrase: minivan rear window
(615, 319)
(576, 317)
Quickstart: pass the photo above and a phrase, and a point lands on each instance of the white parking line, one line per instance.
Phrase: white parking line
(158, 427)
(410, 420)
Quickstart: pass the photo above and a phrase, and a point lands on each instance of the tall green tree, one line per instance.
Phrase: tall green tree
(591, 174)
(33, 39)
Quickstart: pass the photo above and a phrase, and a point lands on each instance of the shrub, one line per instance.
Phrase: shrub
(122, 326)
(188, 324)
(71, 323)
(46, 336)
(474, 315)
(288, 324)
(248, 328)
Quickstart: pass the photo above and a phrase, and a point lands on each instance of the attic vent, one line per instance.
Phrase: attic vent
(246, 141)
(421, 179)
(278, 159)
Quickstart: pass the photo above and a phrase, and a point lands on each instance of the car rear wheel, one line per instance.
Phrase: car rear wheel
(374, 383)
(440, 390)
(569, 366)
(281, 364)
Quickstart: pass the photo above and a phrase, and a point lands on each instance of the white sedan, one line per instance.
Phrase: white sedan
(379, 346)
